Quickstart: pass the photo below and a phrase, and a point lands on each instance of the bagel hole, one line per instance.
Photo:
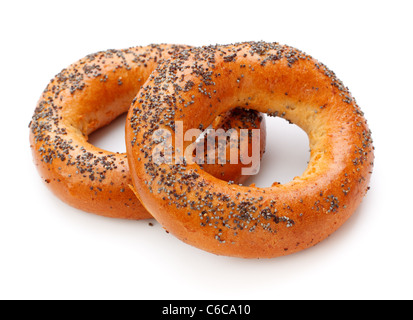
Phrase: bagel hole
(287, 154)
(110, 137)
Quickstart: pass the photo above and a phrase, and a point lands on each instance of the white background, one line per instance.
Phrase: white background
(49, 250)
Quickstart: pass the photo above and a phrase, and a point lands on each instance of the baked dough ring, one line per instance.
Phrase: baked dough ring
(251, 222)
(89, 94)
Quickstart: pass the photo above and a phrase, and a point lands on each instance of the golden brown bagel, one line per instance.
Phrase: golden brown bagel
(89, 94)
(251, 222)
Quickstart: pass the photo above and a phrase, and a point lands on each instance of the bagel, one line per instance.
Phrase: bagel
(87, 95)
(247, 221)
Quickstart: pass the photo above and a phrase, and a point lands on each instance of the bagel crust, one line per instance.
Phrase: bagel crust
(88, 95)
(250, 222)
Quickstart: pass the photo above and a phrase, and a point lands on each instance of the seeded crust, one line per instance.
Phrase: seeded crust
(250, 222)
(89, 94)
